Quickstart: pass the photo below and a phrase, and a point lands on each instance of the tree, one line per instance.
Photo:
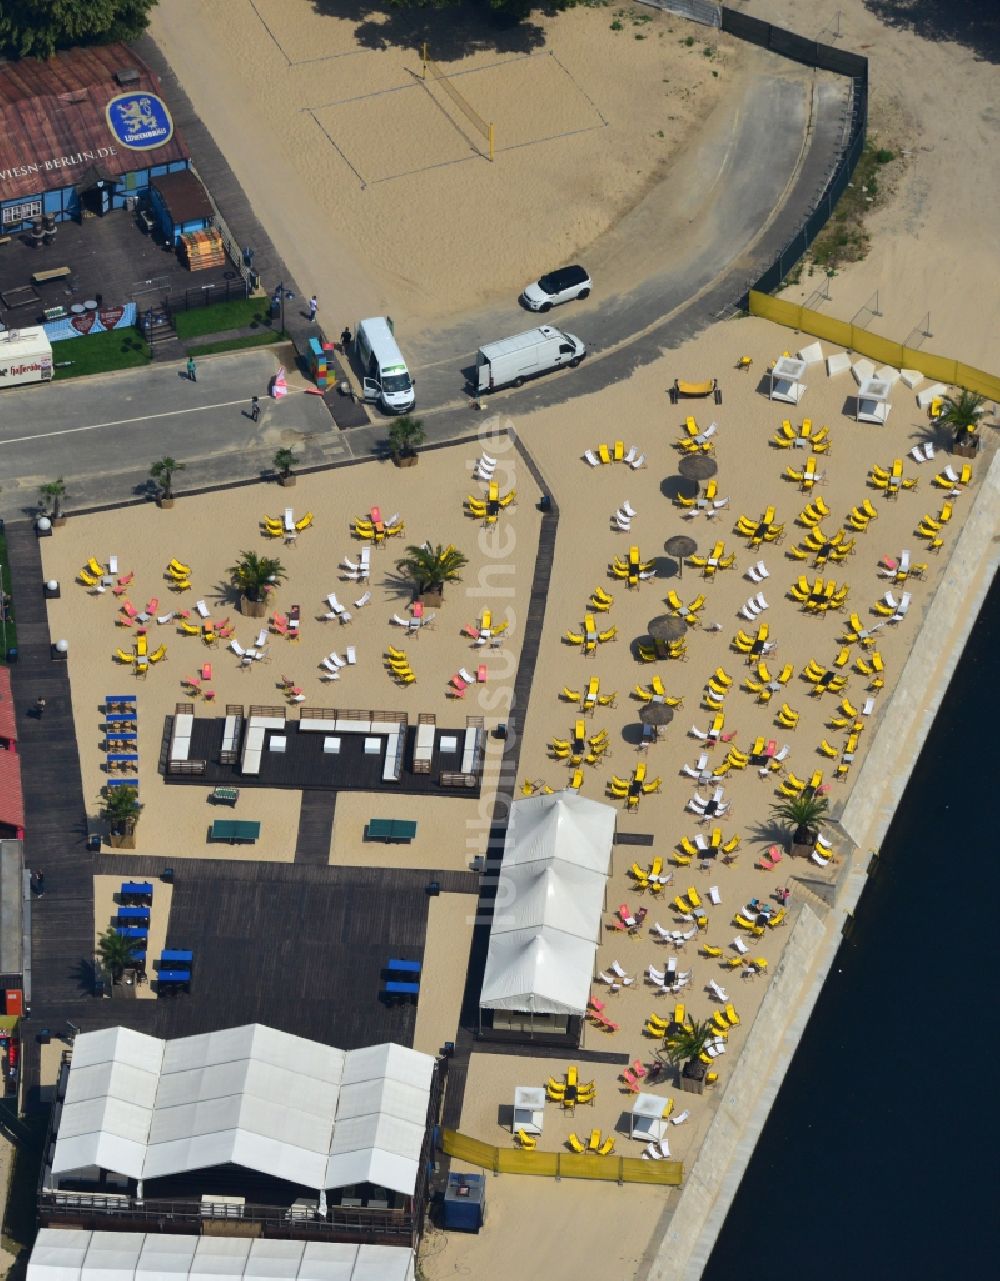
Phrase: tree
(962, 415)
(52, 494)
(405, 435)
(429, 568)
(682, 1045)
(36, 28)
(162, 471)
(115, 953)
(254, 574)
(804, 815)
(283, 461)
(122, 810)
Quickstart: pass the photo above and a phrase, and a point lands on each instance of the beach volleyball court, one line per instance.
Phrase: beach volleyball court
(410, 129)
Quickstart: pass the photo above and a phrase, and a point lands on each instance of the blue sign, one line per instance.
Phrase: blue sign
(140, 121)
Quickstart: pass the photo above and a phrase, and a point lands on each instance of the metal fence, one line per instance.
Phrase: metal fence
(812, 53)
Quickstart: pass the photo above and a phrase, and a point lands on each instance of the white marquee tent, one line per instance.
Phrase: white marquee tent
(547, 912)
(249, 1096)
(63, 1254)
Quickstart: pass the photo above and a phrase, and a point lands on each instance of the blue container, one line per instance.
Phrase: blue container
(464, 1203)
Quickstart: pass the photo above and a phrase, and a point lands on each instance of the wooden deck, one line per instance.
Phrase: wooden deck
(316, 814)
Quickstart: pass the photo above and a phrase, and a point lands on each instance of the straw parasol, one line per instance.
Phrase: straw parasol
(667, 627)
(656, 714)
(698, 467)
(680, 545)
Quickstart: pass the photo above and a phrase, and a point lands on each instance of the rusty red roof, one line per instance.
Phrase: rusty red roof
(8, 722)
(11, 796)
(54, 125)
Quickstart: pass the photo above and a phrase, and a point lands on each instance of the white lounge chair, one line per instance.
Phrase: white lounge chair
(632, 455)
(652, 1152)
(401, 622)
(749, 611)
(202, 608)
(362, 601)
(680, 1118)
(714, 895)
(334, 603)
(352, 655)
(718, 992)
(619, 973)
(740, 946)
(655, 976)
(591, 458)
(664, 1147)
(819, 859)
(164, 618)
(623, 524)
(757, 573)
(350, 566)
(869, 706)
(686, 938)
(330, 675)
(330, 667)
(261, 640)
(466, 676)
(659, 932)
(646, 574)
(630, 511)
(336, 660)
(609, 980)
(824, 841)
(760, 602)
(636, 463)
(901, 612)
(237, 648)
(695, 732)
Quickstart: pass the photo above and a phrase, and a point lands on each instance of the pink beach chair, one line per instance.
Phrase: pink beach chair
(458, 686)
(770, 859)
(631, 1081)
(129, 610)
(153, 605)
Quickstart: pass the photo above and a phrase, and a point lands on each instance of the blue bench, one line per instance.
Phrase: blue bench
(136, 889)
(175, 956)
(394, 988)
(133, 914)
(174, 976)
(132, 931)
(119, 698)
(122, 758)
(120, 718)
(409, 967)
(122, 782)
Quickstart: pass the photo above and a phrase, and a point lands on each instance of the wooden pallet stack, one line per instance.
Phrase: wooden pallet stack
(202, 249)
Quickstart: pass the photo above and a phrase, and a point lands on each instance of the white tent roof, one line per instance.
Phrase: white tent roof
(538, 970)
(248, 1096)
(566, 825)
(63, 1254)
(547, 912)
(559, 895)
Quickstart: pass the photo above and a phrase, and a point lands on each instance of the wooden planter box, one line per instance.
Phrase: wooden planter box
(434, 599)
(405, 460)
(802, 851)
(164, 503)
(253, 608)
(286, 481)
(693, 1084)
(125, 841)
(967, 449)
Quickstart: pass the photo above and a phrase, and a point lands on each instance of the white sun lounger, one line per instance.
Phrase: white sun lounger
(352, 655)
(714, 895)
(362, 601)
(740, 946)
(202, 608)
(591, 458)
(636, 463)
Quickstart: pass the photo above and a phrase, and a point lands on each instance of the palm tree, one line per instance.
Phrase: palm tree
(405, 435)
(122, 810)
(961, 414)
(804, 814)
(162, 471)
(682, 1046)
(283, 461)
(254, 574)
(429, 568)
(52, 494)
(115, 953)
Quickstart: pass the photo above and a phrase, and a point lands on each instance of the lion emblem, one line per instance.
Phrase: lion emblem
(138, 115)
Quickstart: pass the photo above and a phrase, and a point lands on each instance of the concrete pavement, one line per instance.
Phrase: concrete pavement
(101, 434)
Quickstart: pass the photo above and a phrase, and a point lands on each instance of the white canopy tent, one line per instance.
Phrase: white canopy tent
(786, 381)
(63, 1254)
(547, 912)
(873, 401)
(249, 1096)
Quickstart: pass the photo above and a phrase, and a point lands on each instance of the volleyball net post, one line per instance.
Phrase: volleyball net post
(431, 70)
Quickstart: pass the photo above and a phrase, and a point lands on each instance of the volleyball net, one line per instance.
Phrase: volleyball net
(432, 71)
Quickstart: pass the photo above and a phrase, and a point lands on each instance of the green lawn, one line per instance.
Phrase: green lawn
(99, 353)
(240, 313)
(8, 629)
(235, 344)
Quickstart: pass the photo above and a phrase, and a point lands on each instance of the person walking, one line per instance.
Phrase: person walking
(255, 408)
(313, 308)
(192, 370)
(40, 706)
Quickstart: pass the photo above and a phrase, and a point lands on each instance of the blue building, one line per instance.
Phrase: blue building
(87, 130)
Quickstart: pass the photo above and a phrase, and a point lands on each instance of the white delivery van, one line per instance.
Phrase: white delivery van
(385, 378)
(25, 356)
(511, 360)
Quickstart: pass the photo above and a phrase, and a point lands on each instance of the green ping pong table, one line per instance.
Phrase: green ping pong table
(390, 830)
(237, 831)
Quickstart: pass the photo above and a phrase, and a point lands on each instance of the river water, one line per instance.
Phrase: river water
(878, 1159)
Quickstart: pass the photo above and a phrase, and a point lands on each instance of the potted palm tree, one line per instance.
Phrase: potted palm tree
(429, 568)
(122, 810)
(115, 953)
(162, 471)
(52, 494)
(682, 1046)
(803, 814)
(961, 414)
(283, 460)
(405, 435)
(256, 576)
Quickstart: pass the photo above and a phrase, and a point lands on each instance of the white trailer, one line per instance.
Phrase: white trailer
(510, 361)
(25, 356)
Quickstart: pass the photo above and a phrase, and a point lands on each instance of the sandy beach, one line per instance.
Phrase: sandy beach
(366, 160)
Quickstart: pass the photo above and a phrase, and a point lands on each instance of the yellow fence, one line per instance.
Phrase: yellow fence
(560, 1165)
(882, 350)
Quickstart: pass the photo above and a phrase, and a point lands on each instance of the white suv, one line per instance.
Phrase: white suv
(557, 287)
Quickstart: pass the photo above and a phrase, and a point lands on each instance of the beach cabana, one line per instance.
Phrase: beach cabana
(646, 1118)
(873, 401)
(786, 381)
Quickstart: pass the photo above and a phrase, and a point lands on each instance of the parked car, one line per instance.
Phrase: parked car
(557, 287)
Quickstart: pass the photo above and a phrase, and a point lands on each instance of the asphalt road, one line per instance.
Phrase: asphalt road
(731, 203)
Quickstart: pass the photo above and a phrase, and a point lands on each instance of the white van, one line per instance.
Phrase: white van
(385, 378)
